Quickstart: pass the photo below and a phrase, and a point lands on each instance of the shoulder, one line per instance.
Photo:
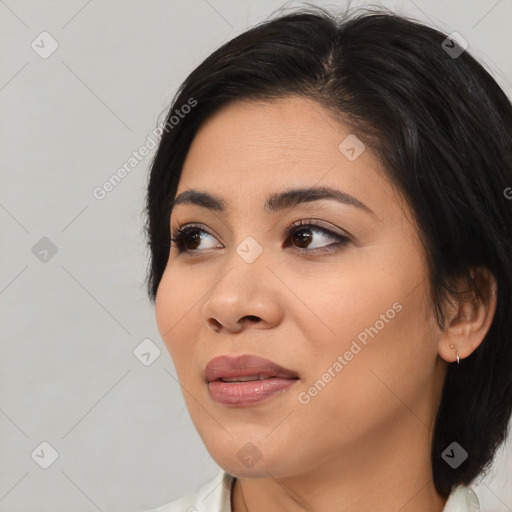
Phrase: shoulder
(214, 496)
(462, 499)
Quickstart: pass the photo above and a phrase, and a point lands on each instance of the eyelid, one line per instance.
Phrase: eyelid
(198, 225)
(301, 222)
(321, 224)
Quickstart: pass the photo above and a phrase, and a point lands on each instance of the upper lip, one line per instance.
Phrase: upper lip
(230, 367)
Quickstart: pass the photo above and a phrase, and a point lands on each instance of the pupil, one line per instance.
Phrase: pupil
(197, 240)
(303, 239)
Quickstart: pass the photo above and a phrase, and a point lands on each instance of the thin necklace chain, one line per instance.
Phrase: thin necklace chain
(242, 493)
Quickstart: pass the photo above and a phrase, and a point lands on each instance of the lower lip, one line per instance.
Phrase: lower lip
(241, 394)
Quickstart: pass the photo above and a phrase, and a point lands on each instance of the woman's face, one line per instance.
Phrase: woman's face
(353, 323)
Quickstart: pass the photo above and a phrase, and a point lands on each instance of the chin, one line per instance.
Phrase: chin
(248, 459)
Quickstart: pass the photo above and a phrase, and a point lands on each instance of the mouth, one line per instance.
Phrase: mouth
(245, 368)
(246, 380)
(249, 378)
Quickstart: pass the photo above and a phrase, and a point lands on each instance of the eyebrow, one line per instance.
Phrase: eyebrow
(275, 202)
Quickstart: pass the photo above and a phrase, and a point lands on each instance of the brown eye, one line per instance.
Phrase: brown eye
(192, 239)
(189, 238)
(304, 234)
(302, 237)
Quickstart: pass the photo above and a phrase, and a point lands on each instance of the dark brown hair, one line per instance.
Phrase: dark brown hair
(442, 128)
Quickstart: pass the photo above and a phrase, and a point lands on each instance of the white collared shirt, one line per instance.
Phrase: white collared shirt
(215, 496)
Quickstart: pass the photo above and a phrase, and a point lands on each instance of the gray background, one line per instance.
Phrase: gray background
(70, 324)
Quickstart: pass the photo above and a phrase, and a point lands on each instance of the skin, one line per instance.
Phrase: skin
(363, 442)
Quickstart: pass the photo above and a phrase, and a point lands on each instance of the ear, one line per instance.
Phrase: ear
(469, 320)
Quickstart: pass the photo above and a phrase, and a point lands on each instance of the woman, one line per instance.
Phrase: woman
(336, 293)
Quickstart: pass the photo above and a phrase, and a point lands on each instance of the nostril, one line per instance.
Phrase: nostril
(253, 318)
(216, 324)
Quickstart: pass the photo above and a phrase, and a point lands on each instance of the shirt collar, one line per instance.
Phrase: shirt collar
(462, 499)
(215, 496)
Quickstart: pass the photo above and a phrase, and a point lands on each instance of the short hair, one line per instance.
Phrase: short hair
(442, 129)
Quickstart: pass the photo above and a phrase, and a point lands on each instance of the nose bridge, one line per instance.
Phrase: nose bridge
(241, 291)
(249, 249)
(247, 240)
(245, 264)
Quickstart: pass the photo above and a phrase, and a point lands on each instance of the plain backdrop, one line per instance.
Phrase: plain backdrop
(76, 393)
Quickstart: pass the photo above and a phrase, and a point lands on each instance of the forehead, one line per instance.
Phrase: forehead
(278, 132)
(253, 149)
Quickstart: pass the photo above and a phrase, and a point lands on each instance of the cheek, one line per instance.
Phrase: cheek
(173, 313)
(358, 305)
(391, 367)
(370, 337)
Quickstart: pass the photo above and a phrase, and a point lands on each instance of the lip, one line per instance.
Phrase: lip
(229, 367)
(276, 379)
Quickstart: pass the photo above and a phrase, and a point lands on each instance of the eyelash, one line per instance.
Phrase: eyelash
(177, 239)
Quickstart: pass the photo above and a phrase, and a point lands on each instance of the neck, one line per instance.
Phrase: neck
(391, 473)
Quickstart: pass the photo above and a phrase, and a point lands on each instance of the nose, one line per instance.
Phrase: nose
(246, 296)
